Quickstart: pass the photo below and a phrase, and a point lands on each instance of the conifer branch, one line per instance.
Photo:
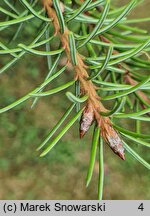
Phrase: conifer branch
(94, 106)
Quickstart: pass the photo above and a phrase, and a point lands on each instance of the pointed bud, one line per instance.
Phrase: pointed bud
(116, 145)
(113, 139)
(87, 119)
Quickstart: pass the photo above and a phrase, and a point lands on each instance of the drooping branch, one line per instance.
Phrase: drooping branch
(94, 105)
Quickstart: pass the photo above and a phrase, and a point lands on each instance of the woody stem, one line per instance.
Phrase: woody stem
(81, 74)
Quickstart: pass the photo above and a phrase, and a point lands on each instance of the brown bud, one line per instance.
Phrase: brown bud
(113, 139)
(87, 119)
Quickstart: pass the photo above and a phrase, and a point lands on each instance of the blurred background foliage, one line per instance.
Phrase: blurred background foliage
(61, 174)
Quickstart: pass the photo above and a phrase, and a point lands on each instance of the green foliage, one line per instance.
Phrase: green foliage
(111, 47)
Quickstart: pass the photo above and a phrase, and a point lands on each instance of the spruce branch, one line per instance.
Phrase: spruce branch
(94, 106)
(109, 60)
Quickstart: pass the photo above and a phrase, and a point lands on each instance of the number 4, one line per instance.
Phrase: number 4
(141, 207)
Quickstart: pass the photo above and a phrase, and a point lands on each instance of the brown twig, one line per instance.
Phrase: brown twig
(94, 105)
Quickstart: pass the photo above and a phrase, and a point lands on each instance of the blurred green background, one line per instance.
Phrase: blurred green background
(61, 174)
